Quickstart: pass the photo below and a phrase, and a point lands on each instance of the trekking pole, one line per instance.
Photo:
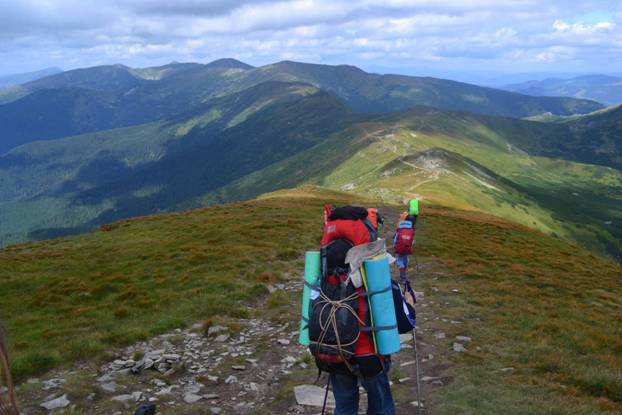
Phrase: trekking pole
(417, 370)
(416, 262)
(325, 396)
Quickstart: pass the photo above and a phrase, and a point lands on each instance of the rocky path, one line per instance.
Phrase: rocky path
(248, 366)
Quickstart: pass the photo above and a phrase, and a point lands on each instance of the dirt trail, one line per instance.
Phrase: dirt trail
(250, 366)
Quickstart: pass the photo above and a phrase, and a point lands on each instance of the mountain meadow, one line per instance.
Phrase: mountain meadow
(174, 203)
(542, 316)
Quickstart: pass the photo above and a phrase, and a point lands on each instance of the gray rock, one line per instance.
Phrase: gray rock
(134, 396)
(410, 362)
(283, 342)
(52, 384)
(60, 402)
(215, 410)
(296, 409)
(463, 338)
(459, 347)
(123, 398)
(193, 388)
(238, 367)
(212, 378)
(210, 396)
(163, 367)
(222, 338)
(109, 387)
(231, 379)
(507, 370)
(439, 335)
(416, 404)
(154, 354)
(216, 329)
(148, 364)
(167, 391)
(429, 378)
(312, 395)
(158, 382)
(104, 378)
(191, 398)
(171, 371)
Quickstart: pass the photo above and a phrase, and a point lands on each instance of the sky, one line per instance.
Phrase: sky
(417, 37)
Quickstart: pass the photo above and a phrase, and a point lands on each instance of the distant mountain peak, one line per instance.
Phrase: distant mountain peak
(316, 65)
(19, 78)
(229, 63)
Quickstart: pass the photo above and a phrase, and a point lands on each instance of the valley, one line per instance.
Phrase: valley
(247, 131)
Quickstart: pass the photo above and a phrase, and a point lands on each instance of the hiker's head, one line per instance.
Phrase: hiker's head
(7, 399)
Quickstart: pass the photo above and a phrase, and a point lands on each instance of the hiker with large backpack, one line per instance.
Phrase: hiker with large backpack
(341, 334)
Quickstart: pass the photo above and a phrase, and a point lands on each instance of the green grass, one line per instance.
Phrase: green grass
(548, 309)
(488, 173)
(75, 298)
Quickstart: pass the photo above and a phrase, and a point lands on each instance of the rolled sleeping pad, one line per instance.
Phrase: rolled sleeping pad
(413, 207)
(309, 292)
(371, 312)
(384, 322)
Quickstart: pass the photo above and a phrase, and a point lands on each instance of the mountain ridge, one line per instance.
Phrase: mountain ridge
(603, 88)
(171, 89)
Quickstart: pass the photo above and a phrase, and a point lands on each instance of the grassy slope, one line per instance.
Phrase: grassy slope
(71, 185)
(546, 308)
(72, 298)
(576, 201)
(533, 303)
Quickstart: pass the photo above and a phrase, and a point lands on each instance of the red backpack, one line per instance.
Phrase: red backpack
(339, 337)
(404, 240)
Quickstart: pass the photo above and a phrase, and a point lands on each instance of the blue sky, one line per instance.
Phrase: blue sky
(427, 37)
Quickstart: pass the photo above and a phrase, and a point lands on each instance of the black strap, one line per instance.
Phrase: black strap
(378, 328)
(370, 293)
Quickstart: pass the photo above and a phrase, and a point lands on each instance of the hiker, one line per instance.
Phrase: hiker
(375, 218)
(338, 340)
(411, 213)
(379, 398)
(404, 238)
(8, 406)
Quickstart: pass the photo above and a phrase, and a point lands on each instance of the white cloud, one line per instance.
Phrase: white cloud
(582, 28)
(469, 34)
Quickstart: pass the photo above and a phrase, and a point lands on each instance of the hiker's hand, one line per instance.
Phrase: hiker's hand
(409, 299)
